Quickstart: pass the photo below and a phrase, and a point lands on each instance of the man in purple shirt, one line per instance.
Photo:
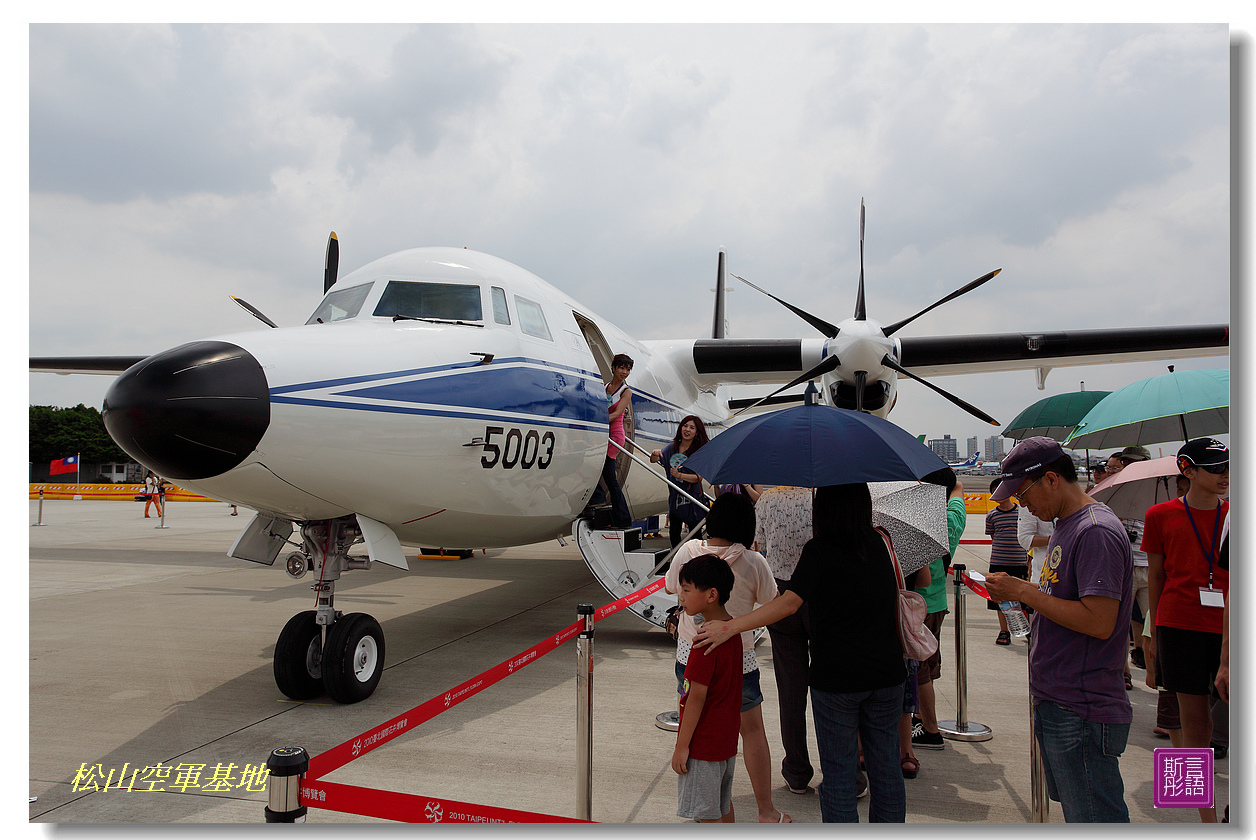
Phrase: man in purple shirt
(1077, 655)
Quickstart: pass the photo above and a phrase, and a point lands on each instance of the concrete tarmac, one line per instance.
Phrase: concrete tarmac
(152, 647)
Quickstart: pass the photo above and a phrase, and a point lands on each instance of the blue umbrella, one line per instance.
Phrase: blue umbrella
(813, 446)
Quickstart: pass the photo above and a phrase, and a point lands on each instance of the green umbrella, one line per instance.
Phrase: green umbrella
(1173, 406)
(1053, 417)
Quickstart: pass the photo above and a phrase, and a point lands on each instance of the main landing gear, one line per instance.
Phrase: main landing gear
(322, 650)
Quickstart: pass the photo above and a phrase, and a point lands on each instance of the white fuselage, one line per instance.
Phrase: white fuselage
(404, 422)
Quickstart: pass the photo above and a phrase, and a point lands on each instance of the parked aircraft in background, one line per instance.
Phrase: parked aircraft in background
(445, 397)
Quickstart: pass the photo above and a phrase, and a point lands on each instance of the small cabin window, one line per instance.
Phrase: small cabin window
(501, 314)
(340, 304)
(434, 301)
(532, 318)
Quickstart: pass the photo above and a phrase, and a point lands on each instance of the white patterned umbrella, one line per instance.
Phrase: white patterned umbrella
(914, 513)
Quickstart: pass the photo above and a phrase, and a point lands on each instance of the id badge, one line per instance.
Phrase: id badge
(1211, 597)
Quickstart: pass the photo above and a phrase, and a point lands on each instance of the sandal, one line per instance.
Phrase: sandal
(1004, 638)
(1129, 684)
(910, 767)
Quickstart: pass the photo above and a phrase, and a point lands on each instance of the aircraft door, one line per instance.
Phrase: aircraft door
(602, 355)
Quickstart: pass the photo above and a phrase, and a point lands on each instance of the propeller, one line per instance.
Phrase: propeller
(971, 409)
(828, 365)
(255, 312)
(830, 331)
(331, 265)
(893, 328)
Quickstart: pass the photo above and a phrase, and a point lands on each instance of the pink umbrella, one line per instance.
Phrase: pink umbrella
(1139, 486)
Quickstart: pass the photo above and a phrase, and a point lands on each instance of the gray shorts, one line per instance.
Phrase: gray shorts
(706, 785)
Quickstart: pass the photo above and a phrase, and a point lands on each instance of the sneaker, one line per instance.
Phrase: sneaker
(804, 789)
(926, 740)
(1139, 660)
(861, 784)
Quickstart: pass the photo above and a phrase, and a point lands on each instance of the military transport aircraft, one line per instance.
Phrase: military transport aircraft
(445, 397)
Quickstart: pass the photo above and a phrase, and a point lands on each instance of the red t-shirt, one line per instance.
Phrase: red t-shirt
(1168, 532)
(715, 739)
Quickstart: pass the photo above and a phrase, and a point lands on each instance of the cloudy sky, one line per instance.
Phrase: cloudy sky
(174, 166)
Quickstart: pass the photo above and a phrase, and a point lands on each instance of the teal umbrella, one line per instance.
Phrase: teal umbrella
(1174, 406)
(1054, 417)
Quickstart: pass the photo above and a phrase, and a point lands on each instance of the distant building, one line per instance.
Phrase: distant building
(973, 447)
(946, 447)
(994, 448)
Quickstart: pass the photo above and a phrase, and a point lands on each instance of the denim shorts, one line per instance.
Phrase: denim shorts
(1082, 764)
(751, 696)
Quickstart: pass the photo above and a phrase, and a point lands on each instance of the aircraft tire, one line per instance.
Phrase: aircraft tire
(354, 658)
(298, 672)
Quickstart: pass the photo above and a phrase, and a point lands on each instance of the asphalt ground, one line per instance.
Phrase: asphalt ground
(151, 647)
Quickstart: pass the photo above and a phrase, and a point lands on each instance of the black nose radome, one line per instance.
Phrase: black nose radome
(192, 412)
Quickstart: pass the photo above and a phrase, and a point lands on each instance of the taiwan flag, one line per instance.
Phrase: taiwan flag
(64, 465)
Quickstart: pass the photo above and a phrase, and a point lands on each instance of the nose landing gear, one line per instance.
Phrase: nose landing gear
(322, 650)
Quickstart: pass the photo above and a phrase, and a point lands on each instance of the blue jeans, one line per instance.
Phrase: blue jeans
(1082, 763)
(873, 716)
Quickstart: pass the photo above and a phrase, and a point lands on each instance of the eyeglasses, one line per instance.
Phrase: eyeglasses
(1020, 494)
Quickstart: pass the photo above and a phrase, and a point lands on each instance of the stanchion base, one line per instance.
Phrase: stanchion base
(161, 527)
(669, 721)
(970, 731)
(38, 524)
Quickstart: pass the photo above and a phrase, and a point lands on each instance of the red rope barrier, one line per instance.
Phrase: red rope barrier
(406, 807)
(318, 793)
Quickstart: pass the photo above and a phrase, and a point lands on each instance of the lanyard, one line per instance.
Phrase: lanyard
(1209, 551)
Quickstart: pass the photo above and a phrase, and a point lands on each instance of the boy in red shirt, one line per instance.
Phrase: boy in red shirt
(1186, 587)
(710, 705)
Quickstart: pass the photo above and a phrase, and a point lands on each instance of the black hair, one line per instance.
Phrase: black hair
(994, 484)
(945, 476)
(732, 518)
(709, 571)
(700, 437)
(842, 513)
(621, 359)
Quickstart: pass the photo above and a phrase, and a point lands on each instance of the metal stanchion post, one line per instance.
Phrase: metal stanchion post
(584, 715)
(41, 507)
(287, 766)
(161, 497)
(962, 729)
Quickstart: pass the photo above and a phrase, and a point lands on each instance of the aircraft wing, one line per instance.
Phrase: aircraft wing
(941, 355)
(106, 365)
(717, 361)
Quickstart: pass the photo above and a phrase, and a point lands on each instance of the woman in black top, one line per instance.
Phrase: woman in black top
(846, 578)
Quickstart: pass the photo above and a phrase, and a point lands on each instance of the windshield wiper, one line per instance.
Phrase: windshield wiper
(397, 318)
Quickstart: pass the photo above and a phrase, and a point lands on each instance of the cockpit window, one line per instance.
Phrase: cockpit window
(436, 301)
(532, 318)
(501, 313)
(340, 304)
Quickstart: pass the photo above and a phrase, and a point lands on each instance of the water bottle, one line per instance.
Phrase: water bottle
(1017, 622)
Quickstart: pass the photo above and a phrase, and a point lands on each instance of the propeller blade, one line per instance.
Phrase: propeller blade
(252, 310)
(820, 324)
(971, 409)
(824, 367)
(331, 264)
(861, 382)
(893, 328)
(717, 328)
(861, 313)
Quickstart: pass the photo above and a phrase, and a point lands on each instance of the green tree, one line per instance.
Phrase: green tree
(60, 432)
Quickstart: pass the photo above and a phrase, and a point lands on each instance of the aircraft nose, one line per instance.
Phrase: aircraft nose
(192, 412)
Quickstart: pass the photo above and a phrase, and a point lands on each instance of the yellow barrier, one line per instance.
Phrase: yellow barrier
(978, 503)
(110, 492)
